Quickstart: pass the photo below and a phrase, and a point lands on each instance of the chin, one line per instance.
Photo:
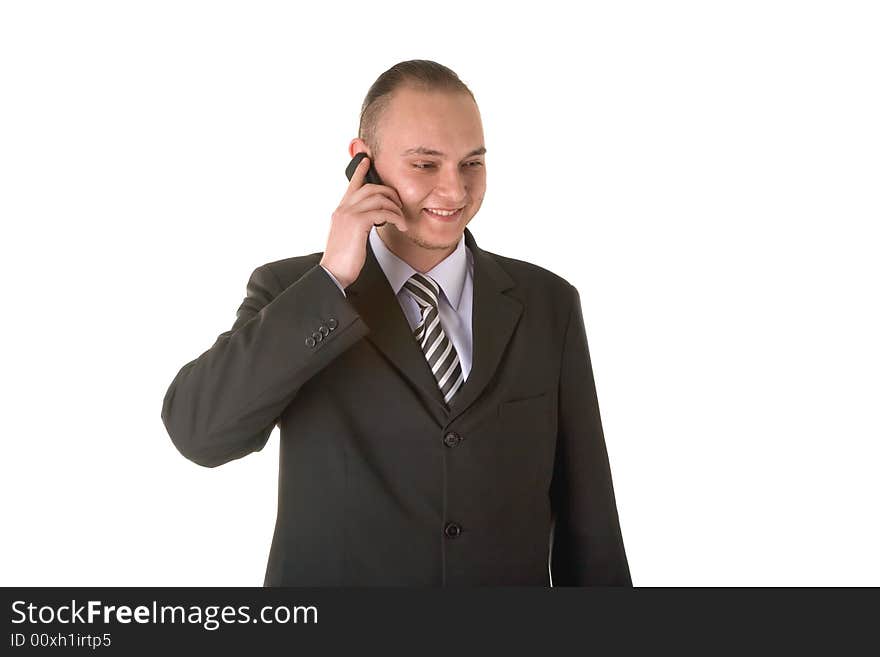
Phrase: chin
(438, 237)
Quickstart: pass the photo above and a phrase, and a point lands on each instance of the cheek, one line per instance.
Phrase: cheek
(412, 193)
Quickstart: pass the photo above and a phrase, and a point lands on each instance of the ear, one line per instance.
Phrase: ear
(358, 145)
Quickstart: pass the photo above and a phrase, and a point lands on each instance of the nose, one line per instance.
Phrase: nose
(452, 186)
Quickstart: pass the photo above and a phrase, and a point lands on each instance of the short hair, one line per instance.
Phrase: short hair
(420, 74)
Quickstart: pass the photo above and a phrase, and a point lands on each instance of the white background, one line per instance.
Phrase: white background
(705, 173)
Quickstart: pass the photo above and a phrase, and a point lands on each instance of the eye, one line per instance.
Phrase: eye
(430, 165)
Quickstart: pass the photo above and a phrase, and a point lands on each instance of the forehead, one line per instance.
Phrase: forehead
(448, 122)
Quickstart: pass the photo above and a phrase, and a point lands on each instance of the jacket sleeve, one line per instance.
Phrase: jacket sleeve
(338, 284)
(224, 404)
(587, 546)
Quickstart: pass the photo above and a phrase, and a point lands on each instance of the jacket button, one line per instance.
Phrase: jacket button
(317, 337)
(452, 530)
(332, 323)
(324, 330)
(310, 341)
(451, 439)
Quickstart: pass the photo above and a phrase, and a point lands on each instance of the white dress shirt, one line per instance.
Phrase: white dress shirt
(455, 276)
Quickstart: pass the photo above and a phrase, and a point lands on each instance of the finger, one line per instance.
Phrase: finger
(393, 193)
(377, 202)
(371, 189)
(360, 173)
(389, 217)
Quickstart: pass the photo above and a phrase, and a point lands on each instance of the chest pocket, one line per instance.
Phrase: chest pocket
(525, 406)
(532, 417)
(527, 430)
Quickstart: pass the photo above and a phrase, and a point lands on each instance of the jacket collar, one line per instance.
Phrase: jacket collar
(494, 318)
(449, 274)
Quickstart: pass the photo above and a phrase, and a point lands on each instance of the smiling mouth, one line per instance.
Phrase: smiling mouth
(440, 213)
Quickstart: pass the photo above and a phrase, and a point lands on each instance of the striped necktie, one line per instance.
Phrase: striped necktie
(437, 347)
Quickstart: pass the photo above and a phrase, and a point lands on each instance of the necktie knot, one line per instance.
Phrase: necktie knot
(424, 289)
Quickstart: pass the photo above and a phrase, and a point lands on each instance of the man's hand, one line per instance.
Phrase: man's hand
(360, 208)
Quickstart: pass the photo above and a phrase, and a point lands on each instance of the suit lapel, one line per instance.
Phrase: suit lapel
(494, 318)
(375, 301)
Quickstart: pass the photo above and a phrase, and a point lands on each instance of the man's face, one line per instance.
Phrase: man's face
(448, 173)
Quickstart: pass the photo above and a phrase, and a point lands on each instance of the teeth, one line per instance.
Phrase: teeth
(442, 213)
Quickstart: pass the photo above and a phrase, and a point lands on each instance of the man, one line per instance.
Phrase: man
(438, 415)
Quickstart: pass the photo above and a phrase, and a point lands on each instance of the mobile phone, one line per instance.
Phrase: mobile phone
(371, 177)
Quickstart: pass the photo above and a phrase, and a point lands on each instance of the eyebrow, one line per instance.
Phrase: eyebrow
(424, 150)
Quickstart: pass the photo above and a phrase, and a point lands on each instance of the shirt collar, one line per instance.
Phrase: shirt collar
(449, 273)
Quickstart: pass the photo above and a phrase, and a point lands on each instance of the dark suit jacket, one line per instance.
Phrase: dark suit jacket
(380, 484)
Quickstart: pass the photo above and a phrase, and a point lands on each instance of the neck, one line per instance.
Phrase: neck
(422, 258)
